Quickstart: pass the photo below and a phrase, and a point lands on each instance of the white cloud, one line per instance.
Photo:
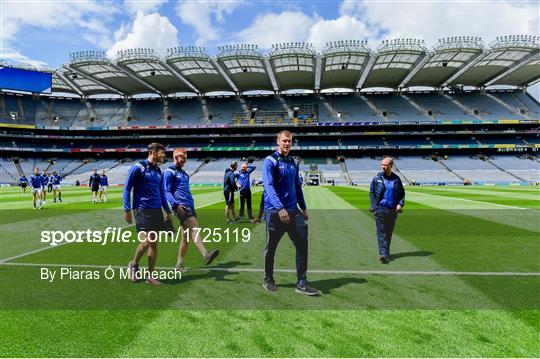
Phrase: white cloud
(273, 28)
(16, 57)
(91, 17)
(344, 27)
(145, 6)
(204, 16)
(436, 19)
(147, 31)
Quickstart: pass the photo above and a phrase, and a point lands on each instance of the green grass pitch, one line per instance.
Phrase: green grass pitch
(465, 282)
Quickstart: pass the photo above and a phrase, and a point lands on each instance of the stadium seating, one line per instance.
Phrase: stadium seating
(397, 108)
(522, 167)
(108, 112)
(488, 108)
(186, 111)
(346, 107)
(320, 102)
(222, 110)
(352, 108)
(442, 107)
(146, 112)
(476, 170)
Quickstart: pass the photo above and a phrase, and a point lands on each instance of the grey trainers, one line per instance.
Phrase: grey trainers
(209, 258)
(304, 288)
(270, 285)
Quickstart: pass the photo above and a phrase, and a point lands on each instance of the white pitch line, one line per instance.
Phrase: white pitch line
(3, 261)
(318, 271)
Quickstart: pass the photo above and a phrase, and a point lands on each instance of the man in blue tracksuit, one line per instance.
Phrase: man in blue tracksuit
(229, 187)
(36, 184)
(178, 194)
(145, 181)
(244, 186)
(283, 196)
(103, 185)
(387, 197)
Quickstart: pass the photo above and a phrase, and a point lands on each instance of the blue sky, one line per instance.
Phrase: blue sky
(45, 32)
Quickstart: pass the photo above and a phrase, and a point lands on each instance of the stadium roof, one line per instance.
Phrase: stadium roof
(397, 64)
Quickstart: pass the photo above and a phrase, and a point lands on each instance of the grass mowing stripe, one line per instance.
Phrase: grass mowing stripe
(506, 194)
(48, 247)
(501, 198)
(290, 270)
(286, 333)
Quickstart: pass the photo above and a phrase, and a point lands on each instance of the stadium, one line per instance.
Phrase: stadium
(456, 118)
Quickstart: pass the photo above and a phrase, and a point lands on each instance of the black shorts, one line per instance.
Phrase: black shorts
(229, 197)
(149, 220)
(23, 185)
(95, 188)
(188, 213)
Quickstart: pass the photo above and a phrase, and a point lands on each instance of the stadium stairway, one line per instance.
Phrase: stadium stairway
(461, 105)
(201, 166)
(5, 172)
(345, 172)
(83, 163)
(449, 170)
(502, 169)
(19, 168)
(403, 177)
(118, 163)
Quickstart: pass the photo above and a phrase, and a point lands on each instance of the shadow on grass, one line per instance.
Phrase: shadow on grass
(327, 285)
(216, 274)
(412, 254)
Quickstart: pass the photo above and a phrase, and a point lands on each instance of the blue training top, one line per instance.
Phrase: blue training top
(176, 187)
(145, 180)
(104, 180)
(282, 185)
(56, 179)
(243, 178)
(36, 181)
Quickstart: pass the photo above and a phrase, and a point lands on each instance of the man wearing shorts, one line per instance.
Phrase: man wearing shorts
(56, 179)
(37, 187)
(103, 184)
(23, 182)
(93, 183)
(145, 181)
(178, 194)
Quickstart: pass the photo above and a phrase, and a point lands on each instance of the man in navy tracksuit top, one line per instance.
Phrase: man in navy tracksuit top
(145, 180)
(244, 186)
(56, 180)
(387, 197)
(23, 182)
(229, 187)
(178, 194)
(283, 196)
